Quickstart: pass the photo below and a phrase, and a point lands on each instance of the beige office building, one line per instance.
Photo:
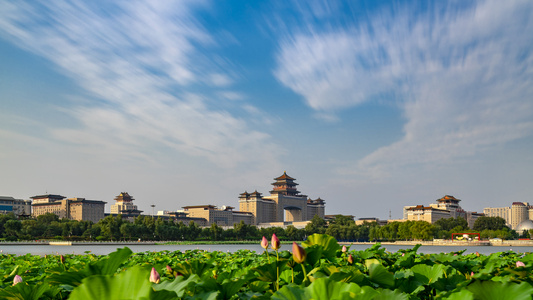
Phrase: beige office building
(445, 207)
(502, 212)
(79, 209)
(225, 216)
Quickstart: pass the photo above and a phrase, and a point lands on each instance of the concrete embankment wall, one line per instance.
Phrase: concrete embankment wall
(514, 243)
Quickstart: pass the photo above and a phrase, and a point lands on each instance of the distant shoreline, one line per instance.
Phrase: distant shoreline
(510, 243)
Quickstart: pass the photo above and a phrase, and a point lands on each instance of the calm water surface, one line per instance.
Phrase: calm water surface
(106, 249)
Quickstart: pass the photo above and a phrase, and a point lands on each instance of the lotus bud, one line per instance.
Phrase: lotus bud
(350, 259)
(264, 243)
(471, 274)
(298, 253)
(169, 269)
(62, 258)
(403, 254)
(344, 249)
(520, 264)
(275, 242)
(154, 276)
(477, 253)
(17, 279)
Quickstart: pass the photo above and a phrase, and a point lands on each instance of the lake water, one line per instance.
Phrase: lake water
(106, 249)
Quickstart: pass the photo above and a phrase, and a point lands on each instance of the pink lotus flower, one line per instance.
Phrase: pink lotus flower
(264, 243)
(471, 274)
(275, 242)
(520, 264)
(344, 249)
(154, 276)
(17, 279)
(298, 253)
(350, 259)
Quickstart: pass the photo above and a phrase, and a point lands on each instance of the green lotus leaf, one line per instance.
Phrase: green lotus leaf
(391, 295)
(379, 274)
(492, 290)
(325, 288)
(104, 266)
(461, 295)
(24, 291)
(328, 244)
(131, 284)
(427, 274)
(179, 285)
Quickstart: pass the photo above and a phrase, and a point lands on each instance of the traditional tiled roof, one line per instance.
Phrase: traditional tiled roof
(284, 177)
(51, 196)
(448, 198)
(256, 194)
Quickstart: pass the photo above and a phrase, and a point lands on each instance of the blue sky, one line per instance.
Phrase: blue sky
(370, 105)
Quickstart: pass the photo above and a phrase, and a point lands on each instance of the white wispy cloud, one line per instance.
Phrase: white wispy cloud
(461, 75)
(138, 61)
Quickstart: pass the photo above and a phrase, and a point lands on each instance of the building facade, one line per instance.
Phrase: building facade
(445, 207)
(18, 207)
(284, 204)
(502, 212)
(79, 209)
(514, 215)
(225, 216)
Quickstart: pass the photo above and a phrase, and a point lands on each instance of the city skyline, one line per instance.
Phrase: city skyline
(370, 105)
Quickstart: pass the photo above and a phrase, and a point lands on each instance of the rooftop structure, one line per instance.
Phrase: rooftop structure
(124, 206)
(284, 204)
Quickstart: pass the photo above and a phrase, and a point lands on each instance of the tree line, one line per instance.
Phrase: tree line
(115, 228)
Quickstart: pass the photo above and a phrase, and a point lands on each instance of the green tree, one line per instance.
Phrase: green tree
(215, 232)
(12, 228)
(317, 225)
(489, 223)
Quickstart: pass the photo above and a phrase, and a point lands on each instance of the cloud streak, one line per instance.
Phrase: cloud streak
(142, 63)
(461, 75)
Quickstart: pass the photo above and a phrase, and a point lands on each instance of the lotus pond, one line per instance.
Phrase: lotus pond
(318, 269)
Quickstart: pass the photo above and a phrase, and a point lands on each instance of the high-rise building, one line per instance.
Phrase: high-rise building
(519, 213)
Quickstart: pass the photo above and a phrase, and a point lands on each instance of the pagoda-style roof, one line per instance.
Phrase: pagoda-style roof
(256, 194)
(125, 197)
(317, 201)
(448, 198)
(285, 185)
(284, 177)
